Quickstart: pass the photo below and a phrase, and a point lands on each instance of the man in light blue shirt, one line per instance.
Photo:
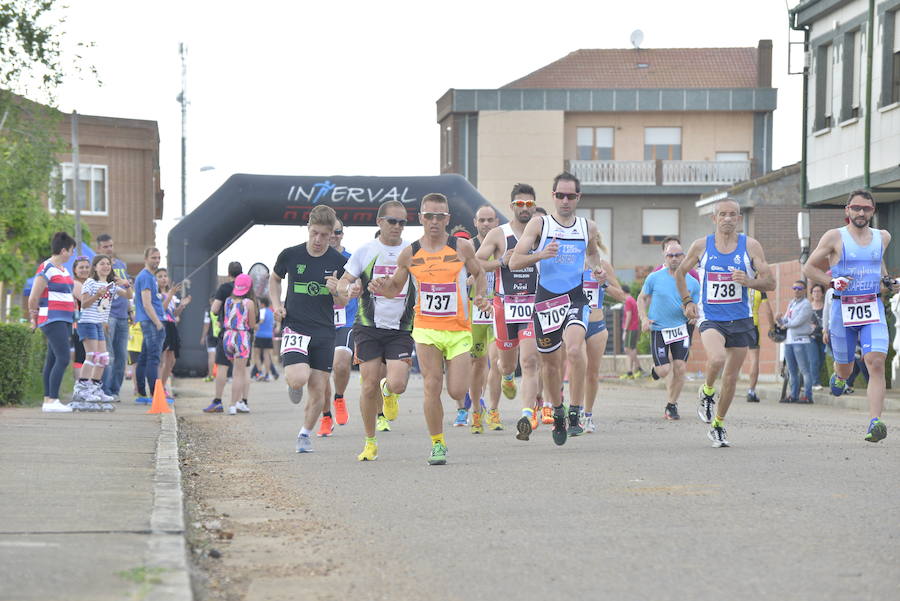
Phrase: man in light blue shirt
(670, 331)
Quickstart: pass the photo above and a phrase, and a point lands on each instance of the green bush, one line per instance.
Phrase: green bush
(22, 354)
(643, 345)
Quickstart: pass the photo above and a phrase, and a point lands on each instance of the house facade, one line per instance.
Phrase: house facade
(647, 131)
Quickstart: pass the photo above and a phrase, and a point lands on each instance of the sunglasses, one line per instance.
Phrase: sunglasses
(569, 196)
(673, 255)
(337, 233)
(435, 216)
(522, 203)
(861, 209)
(798, 288)
(393, 221)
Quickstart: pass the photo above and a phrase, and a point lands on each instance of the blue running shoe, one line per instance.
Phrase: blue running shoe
(877, 430)
(837, 385)
(143, 400)
(214, 407)
(462, 418)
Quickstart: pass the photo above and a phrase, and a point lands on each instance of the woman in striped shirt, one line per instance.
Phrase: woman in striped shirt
(52, 309)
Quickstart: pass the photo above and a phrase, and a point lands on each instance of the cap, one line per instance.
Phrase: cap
(242, 284)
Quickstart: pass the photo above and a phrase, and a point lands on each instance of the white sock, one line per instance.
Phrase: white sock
(305, 432)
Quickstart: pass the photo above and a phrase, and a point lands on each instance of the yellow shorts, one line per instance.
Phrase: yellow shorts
(450, 343)
(482, 337)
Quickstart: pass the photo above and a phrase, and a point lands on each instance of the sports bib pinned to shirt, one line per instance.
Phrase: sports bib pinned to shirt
(859, 310)
(292, 342)
(438, 300)
(722, 289)
(518, 308)
(340, 316)
(552, 312)
(670, 335)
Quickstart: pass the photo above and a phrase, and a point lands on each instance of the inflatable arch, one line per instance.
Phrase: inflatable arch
(247, 200)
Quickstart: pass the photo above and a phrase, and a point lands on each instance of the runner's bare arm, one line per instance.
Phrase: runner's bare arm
(274, 293)
(820, 259)
(690, 260)
(643, 301)
(520, 257)
(392, 286)
(466, 252)
(349, 285)
(764, 279)
(338, 292)
(489, 248)
(592, 257)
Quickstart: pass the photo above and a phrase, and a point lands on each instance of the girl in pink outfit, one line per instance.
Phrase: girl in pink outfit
(240, 319)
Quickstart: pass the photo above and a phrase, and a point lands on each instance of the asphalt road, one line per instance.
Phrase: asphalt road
(800, 507)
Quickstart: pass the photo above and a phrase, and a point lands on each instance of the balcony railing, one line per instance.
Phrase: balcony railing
(660, 173)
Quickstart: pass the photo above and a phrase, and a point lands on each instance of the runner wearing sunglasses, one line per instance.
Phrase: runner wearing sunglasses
(561, 252)
(855, 254)
(440, 264)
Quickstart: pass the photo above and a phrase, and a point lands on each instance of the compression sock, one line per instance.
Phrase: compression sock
(371, 439)
(708, 390)
(438, 438)
(718, 422)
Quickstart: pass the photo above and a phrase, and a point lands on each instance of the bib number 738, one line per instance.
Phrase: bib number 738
(721, 289)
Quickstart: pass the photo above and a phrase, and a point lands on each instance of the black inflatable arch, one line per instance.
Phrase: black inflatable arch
(247, 200)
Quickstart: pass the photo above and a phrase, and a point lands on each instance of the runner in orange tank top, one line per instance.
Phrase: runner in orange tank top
(440, 265)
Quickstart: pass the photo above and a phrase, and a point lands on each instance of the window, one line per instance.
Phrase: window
(662, 143)
(92, 188)
(824, 86)
(603, 219)
(658, 224)
(853, 50)
(895, 75)
(594, 143)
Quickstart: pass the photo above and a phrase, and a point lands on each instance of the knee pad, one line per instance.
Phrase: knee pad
(101, 359)
(89, 359)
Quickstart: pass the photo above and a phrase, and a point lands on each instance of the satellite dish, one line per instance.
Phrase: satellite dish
(637, 36)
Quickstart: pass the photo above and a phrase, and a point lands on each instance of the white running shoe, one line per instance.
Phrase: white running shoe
(55, 406)
(242, 407)
(232, 410)
(589, 425)
(304, 444)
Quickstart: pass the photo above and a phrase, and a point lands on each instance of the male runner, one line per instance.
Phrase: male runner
(661, 312)
(307, 314)
(439, 263)
(343, 351)
(482, 335)
(561, 307)
(513, 307)
(730, 263)
(855, 254)
(383, 326)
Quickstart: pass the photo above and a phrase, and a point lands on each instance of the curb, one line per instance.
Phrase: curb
(166, 548)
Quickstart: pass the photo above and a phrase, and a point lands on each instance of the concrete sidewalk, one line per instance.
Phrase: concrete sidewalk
(91, 506)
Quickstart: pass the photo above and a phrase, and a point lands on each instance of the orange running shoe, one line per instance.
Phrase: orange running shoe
(547, 415)
(326, 426)
(534, 419)
(340, 411)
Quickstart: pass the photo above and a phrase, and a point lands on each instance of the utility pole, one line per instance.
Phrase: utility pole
(76, 167)
(182, 98)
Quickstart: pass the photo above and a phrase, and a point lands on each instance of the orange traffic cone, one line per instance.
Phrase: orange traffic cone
(159, 399)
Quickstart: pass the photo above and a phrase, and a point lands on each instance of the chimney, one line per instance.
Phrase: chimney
(764, 64)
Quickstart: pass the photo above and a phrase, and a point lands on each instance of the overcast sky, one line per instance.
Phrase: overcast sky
(322, 88)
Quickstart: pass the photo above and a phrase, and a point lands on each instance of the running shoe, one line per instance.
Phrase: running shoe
(838, 386)
(340, 411)
(672, 411)
(382, 424)
(208, 379)
(508, 387)
(524, 428)
(438, 454)
(242, 407)
(752, 397)
(369, 452)
(214, 407)
(559, 426)
(295, 394)
(535, 419)
(589, 426)
(232, 410)
(575, 428)
(390, 407)
(326, 427)
(462, 418)
(849, 390)
(718, 436)
(877, 431)
(706, 408)
(626, 376)
(145, 400)
(304, 444)
(56, 407)
(477, 427)
(547, 415)
(493, 420)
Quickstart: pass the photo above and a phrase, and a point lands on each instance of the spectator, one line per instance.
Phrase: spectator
(149, 313)
(55, 317)
(817, 344)
(81, 271)
(798, 319)
(209, 338)
(172, 307)
(262, 343)
(631, 326)
(117, 342)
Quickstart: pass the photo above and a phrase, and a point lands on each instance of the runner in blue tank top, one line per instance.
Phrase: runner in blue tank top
(855, 255)
(561, 252)
(728, 263)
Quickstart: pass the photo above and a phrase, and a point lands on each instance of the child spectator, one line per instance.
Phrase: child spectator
(240, 319)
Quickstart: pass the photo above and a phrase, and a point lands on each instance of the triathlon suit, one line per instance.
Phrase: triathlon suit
(758, 297)
(513, 298)
(559, 298)
(383, 325)
(482, 322)
(236, 339)
(343, 321)
(442, 307)
(857, 313)
(670, 332)
(595, 295)
(724, 304)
